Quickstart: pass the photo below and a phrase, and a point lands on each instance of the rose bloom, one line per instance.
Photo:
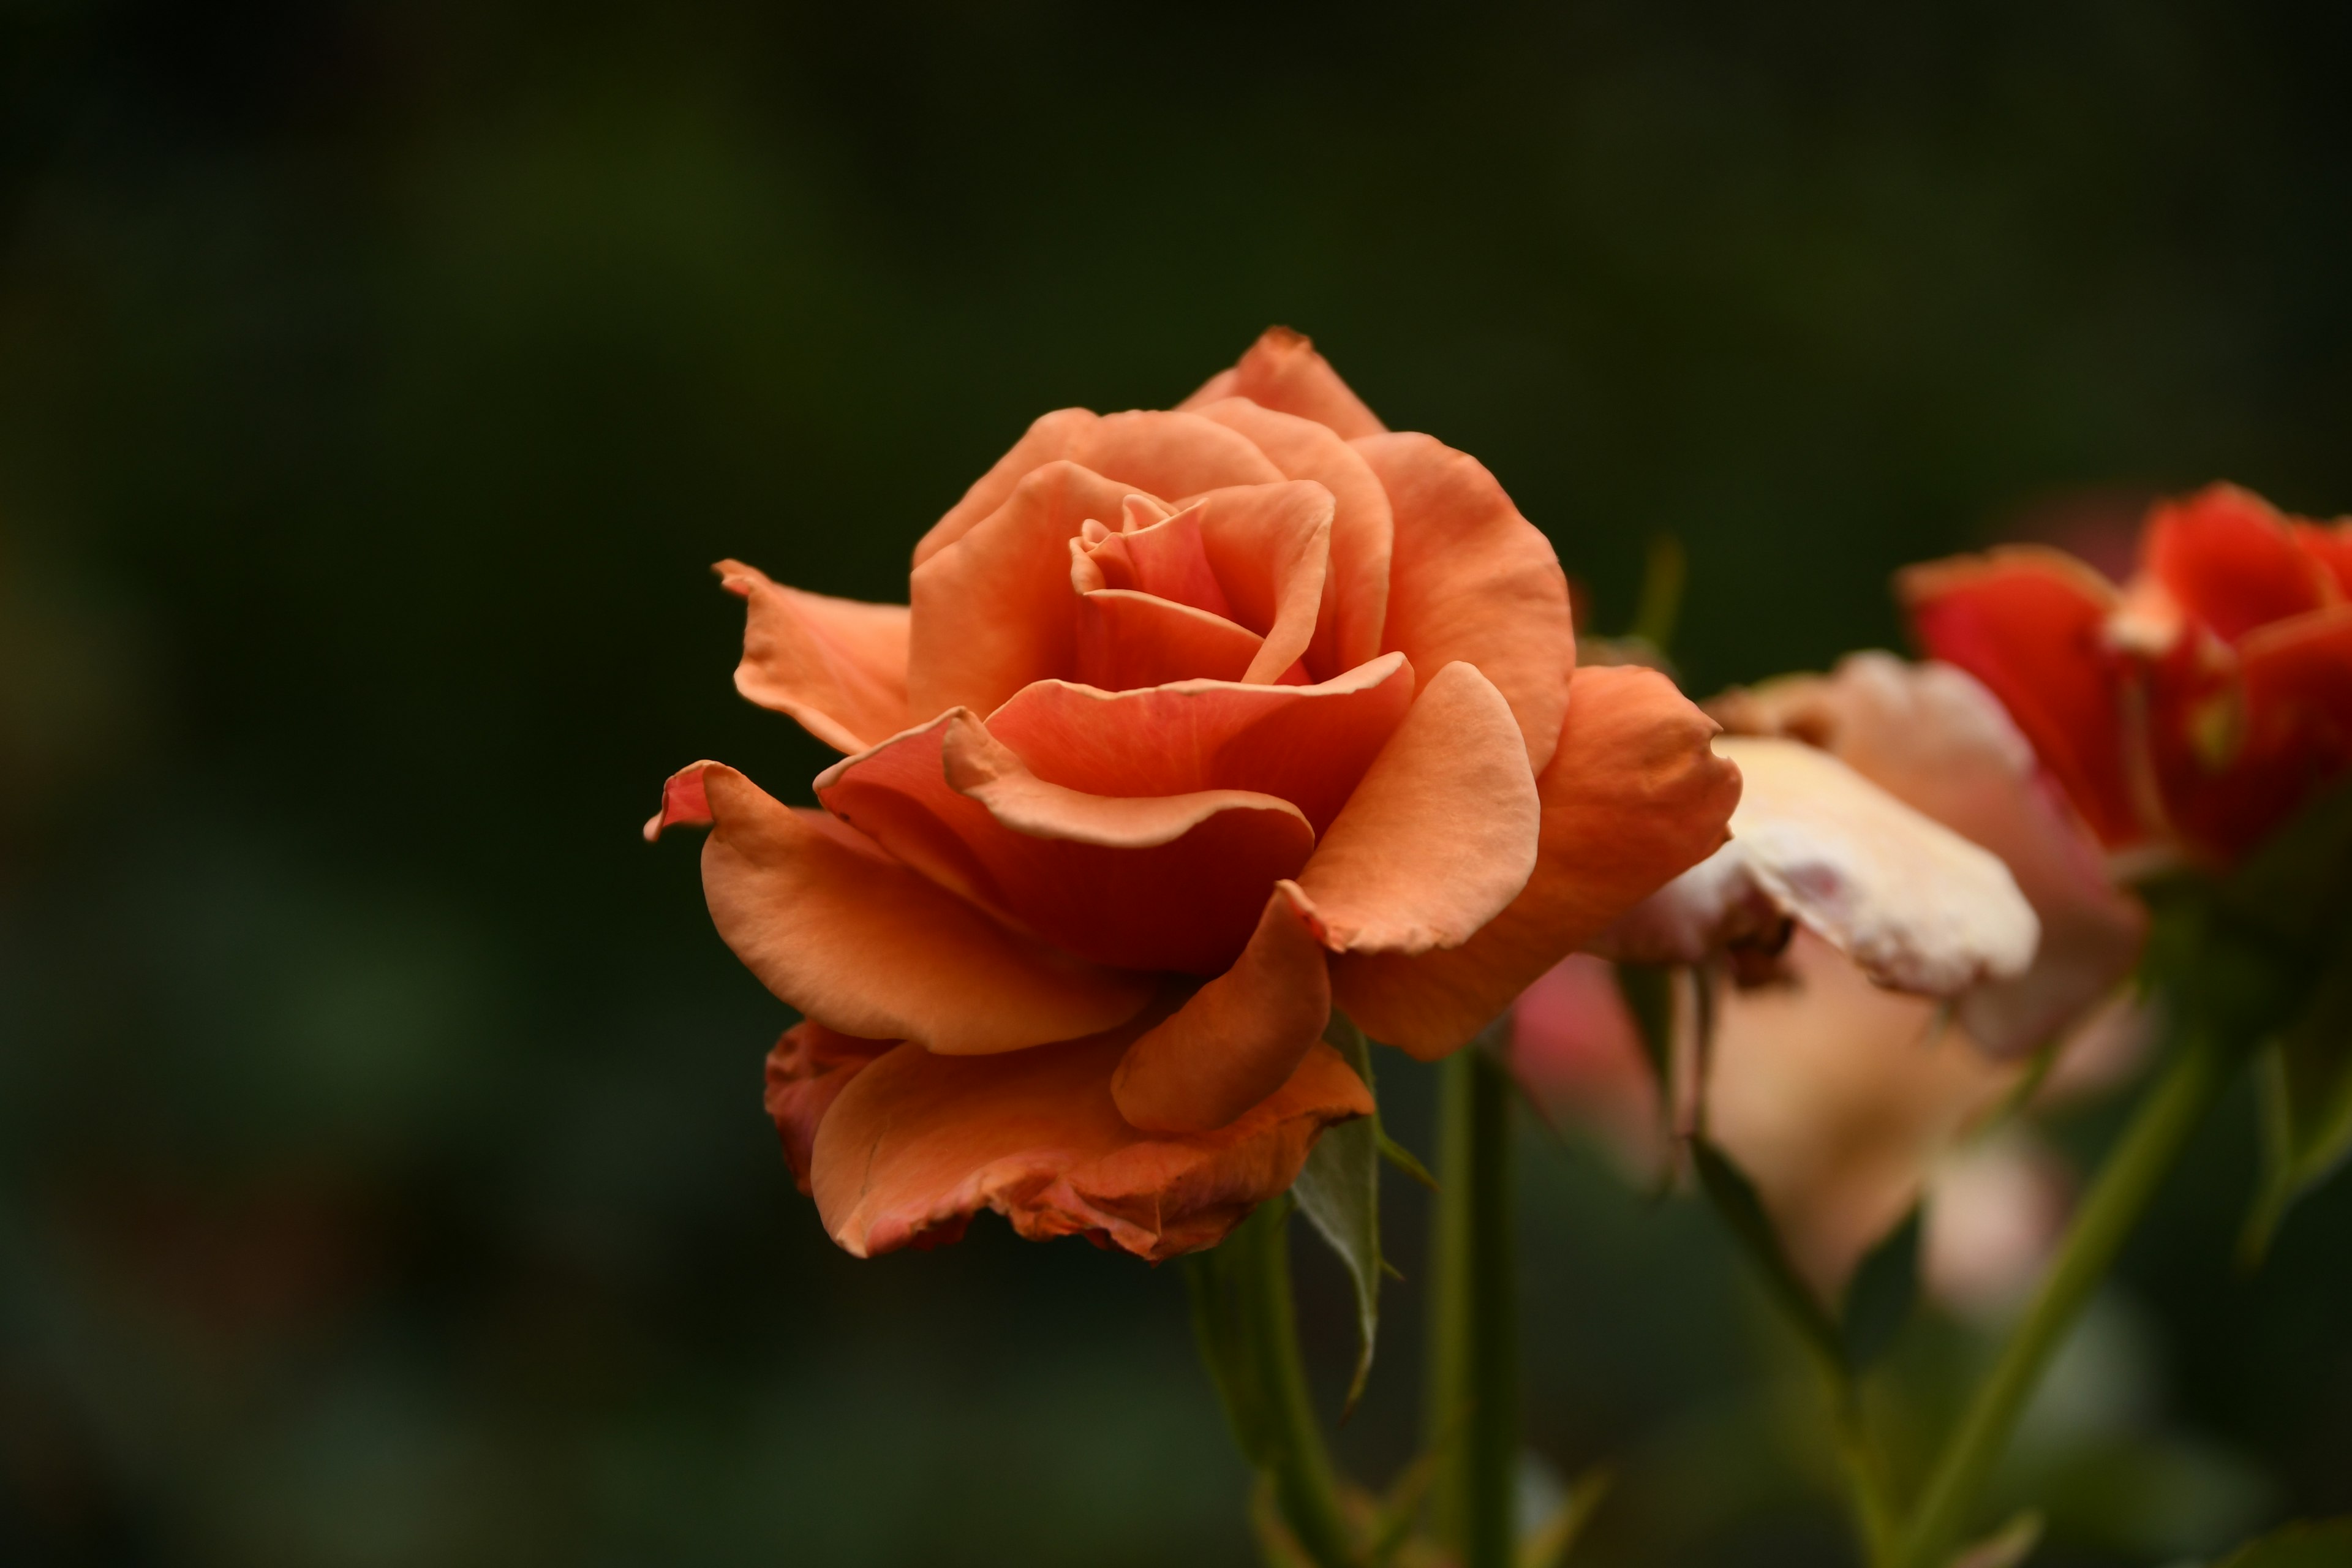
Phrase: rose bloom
(1905, 908)
(2193, 709)
(1198, 722)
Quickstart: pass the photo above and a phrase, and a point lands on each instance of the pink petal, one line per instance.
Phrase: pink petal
(1050, 437)
(1282, 371)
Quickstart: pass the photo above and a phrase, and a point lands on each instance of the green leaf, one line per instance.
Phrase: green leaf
(1734, 1197)
(2327, 1544)
(2006, 1548)
(1886, 1287)
(2304, 1083)
(1339, 1190)
(1405, 1159)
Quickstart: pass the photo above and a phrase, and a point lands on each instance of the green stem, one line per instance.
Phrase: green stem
(2134, 1170)
(1293, 1456)
(1473, 1412)
(1876, 1520)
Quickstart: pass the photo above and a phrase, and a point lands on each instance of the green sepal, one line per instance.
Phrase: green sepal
(2303, 1084)
(1338, 1191)
(1735, 1199)
(1885, 1288)
(2323, 1544)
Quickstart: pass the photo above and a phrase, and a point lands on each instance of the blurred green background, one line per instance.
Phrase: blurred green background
(382, 1175)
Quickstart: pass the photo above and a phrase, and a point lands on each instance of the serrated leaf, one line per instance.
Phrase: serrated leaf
(2325, 1544)
(1886, 1287)
(1338, 1191)
(1734, 1198)
(1405, 1159)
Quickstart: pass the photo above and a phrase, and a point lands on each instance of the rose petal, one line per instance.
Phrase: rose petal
(1934, 738)
(837, 666)
(2330, 545)
(1917, 907)
(808, 1069)
(1634, 796)
(1269, 545)
(1049, 437)
(1172, 882)
(1238, 1038)
(2226, 557)
(1472, 580)
(1304, 744)
(1283, 372)
(864, 945)
(1129, 639)
(1171, 454)
(2029, 624)
(1440, 835)
(2285, 733)
(918, 1144)
(1363, 531)
(995, 611)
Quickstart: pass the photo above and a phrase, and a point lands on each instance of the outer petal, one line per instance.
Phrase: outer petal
(1169, 883)
(1916, 906)
(1050, 437)
(866, 947)
(1172, 454)
(1634, 796)
(995, 610)
(1282, 371)
(1306, 745)
(2027, 622)
(1471, 579)
(2287, 723)
(1238, 1038)
(1440, 835)
(1837, 1098)
(809, 1066)
(1936, 739)
(2228, 558)
(1364, 531)
(2330, 545)
(918, 1144)
(837, 666)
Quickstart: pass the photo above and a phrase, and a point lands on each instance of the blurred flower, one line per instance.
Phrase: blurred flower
(1994, 1216)
(2193, 709)
(1894, 837)
(1198, 722)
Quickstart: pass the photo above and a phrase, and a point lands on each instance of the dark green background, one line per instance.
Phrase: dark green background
(382, 1177)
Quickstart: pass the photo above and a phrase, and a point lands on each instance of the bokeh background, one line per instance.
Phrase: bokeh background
(382, 1176)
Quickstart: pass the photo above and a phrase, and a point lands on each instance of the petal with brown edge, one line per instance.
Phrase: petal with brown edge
(2228, 559)
(809, 1066)
(1050, 436)
(1634, 796)
(1471, 579)
(2029, 623)
(1440, 835)
(918, 1144)
(837, 665)
(867, 946)
(1304, 744)
(1238, 1038)
(1172, 455)
(1356, 587)
(1170, 882)
(1129, 639)
(1283, 372)
(995, 610)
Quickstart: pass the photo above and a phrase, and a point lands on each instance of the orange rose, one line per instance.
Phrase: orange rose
(1198, 722)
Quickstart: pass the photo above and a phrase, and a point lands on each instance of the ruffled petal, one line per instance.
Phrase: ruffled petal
(808, 1069)
(2330, 545)
(1932, 737)
(1283, 372)
(837, 666)
(1471, 579)
(995, 610)
(1440, 835)
(2228, 558)
(865, 946)
(1171, 454)
(1917, 907)
(1164, 882)
(1129, 639)
(1634, 796)
(1363, 531)
(2236, 759)
(2030, 623)
(1306, 745)
(1050, 436)
(1238, 1038)
(1269, 546)
(918, 1144)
